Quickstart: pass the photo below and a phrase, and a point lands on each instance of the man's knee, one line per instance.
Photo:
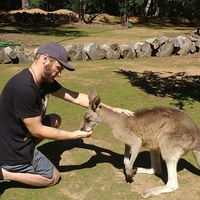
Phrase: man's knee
(55, 178)
(55, 120)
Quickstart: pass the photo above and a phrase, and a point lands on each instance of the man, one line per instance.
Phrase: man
(23, 121)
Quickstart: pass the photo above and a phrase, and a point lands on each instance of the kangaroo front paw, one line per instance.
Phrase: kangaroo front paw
(129, 173)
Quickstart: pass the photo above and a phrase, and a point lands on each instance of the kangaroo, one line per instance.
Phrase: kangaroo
(165, 131)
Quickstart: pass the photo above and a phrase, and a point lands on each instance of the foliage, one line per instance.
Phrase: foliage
(169, 8)
(8, 43)
(10, 5)
(36, 3)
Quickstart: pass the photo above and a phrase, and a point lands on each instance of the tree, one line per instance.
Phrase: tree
(152, 8)
(81, 10)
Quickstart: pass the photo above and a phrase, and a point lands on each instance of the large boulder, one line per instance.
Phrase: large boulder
(93, 51)
(111, 50)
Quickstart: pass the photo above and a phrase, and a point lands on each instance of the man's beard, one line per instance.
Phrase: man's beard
(48, 74)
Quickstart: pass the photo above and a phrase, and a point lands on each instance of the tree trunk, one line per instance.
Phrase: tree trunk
(25, 5)
(125, 14)
(81, 11)
(156, 9)
(146, 11)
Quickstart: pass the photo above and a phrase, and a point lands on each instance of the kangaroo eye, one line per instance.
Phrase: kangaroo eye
(87, 119)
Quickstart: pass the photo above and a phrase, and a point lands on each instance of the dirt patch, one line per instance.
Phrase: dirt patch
(188, 186)
(165, 71)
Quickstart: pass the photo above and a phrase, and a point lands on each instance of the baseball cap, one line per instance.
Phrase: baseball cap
(57, 51)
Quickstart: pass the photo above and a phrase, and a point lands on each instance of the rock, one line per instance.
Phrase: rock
(111, 50)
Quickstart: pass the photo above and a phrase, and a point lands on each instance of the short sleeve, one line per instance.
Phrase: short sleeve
(26, 102)
(47, 88)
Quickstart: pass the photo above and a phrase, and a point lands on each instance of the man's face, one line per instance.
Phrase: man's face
(52, 70)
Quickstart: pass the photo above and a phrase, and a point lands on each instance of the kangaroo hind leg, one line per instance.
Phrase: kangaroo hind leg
(171, 157)
(172, 183)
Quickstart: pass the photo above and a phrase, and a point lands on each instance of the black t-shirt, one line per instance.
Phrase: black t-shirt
(20, 99)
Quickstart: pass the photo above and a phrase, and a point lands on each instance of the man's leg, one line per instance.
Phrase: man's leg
(31, 179)
(41, 172)
(52, 120)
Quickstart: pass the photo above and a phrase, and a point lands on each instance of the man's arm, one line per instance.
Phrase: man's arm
(82, 99)
(72, 96)
(37, 129)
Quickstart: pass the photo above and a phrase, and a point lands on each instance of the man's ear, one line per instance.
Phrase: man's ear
(45, 59)
(95, 103)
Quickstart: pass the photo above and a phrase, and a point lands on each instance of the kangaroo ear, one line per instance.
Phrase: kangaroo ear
(95, 103)
(92, 95)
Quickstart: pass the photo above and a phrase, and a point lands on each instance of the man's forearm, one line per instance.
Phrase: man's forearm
(51, 133)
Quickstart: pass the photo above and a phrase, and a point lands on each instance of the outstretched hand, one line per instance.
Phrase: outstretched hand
(125, 111)
(84, 134)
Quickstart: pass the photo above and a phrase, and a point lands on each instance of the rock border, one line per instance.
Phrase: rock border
(159, 47)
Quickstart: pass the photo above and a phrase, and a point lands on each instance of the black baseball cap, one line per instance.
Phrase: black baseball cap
(57, 51)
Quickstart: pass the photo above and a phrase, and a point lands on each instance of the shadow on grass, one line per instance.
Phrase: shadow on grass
(41, 29)
(180, 87)
(164, 22)
(53, 150)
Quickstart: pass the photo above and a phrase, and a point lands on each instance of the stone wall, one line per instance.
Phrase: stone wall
(159, 47)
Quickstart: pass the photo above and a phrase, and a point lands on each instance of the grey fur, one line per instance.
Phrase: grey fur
(163, 130)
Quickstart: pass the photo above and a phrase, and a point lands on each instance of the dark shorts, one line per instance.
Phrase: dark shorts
(40, 165)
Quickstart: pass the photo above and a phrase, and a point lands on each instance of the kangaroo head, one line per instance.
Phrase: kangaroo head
(91, 118)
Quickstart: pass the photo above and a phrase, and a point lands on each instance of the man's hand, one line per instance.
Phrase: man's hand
(125, 111)
(83, 134)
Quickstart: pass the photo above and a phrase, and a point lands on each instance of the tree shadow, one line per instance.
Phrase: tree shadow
(53, 150)
(163, 22)
(41, 29)
(180, 86)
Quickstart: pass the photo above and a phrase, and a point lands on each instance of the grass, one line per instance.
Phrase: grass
(31, 35)
(93, 169)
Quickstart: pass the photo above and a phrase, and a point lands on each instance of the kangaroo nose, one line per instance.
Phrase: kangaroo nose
(82, 128)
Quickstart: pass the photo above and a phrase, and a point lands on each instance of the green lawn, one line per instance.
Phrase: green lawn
(86, 174)
(92, 169)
